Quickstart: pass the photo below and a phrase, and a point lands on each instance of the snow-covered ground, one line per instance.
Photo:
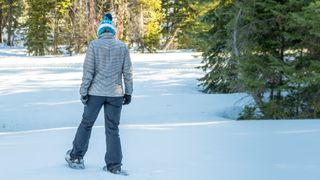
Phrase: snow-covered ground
(43, 92)
(170, 131)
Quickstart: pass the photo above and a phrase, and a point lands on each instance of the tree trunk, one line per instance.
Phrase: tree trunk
(282, 57)
(55, 31)
(92, 19)
(168, 44)
(1, 16)
(10, 20)
(258, 99)
(235, 35)
(72, 15)
(120, 10)
(76, 17)
(141, 29)
(3, 22)
(55, 36)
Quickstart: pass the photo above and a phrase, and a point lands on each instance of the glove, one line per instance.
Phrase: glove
(126, 99)
(84, 99)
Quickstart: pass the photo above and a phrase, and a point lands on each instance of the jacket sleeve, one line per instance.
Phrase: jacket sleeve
(127, 72)
(88, 71)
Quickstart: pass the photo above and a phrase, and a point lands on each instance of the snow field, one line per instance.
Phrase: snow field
(170, 131)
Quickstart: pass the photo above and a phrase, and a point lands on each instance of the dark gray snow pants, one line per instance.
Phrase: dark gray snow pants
(112, 112)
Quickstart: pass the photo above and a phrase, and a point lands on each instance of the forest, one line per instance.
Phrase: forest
(269, 49)
(51, 26)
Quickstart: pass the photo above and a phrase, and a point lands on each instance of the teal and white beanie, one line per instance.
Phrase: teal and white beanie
(106, 24)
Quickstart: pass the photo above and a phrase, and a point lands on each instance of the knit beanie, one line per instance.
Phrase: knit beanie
(106, 24)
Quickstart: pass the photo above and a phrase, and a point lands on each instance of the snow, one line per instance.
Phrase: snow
(170, 130)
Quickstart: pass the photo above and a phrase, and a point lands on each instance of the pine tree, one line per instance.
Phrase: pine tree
(269, 49)
(305, 75)
(274, 66)
(220, 63)
(153, 14)
(10, 11)
(38, 26)
(58, 29)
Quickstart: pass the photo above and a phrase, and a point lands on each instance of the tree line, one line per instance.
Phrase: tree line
(51, 26)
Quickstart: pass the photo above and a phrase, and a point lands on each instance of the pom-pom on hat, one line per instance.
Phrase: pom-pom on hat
(106, 24)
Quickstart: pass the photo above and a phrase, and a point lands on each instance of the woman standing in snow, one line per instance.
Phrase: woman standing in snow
(107, 62)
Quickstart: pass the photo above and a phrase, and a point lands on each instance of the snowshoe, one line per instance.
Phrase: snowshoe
(116, 169)
(74, 163)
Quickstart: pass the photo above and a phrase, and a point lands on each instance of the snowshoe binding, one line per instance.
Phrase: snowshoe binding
(74, 163)
(115, 169)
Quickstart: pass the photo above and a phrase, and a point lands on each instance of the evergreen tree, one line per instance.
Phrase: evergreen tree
(279, 67)
(182, 23)
(269, 49)
(59, 30)
(220, 63)
(10, 11)
(38, 26)
(152, 32)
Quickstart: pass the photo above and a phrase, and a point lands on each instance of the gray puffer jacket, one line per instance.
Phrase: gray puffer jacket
(107, 62)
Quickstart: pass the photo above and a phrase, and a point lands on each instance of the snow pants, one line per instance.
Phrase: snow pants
(112, 111)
